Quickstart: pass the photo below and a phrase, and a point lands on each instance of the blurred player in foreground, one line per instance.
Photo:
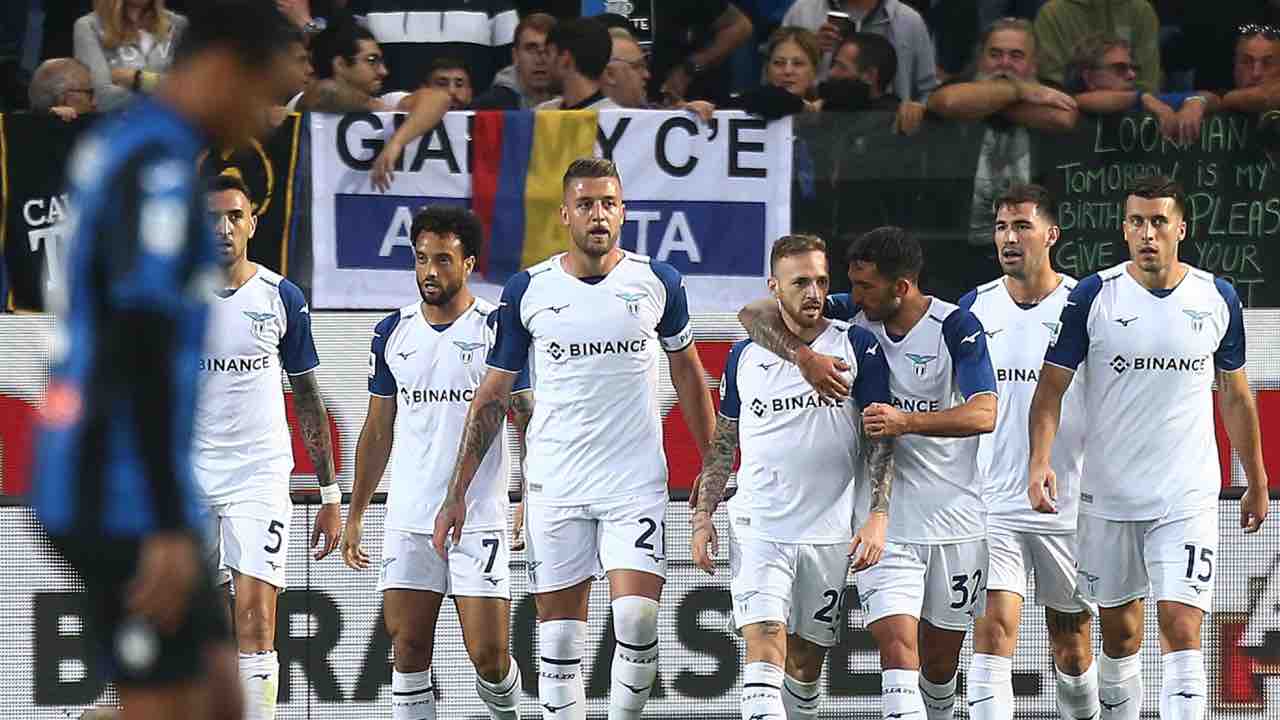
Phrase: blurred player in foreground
(1152, 333)
(424, 366)
(931, 579)
(790, 536)
(589, 324)
(1019, 314)
(115, 487)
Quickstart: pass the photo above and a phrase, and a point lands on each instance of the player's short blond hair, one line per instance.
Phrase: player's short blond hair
(789, 245)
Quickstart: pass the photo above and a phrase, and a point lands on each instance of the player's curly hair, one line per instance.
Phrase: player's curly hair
(1161, 186)
(450, 220)
(894, 252)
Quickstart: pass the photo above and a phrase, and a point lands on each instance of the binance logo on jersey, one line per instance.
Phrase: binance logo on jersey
(808, 401)
(915, 404)
(1121, 364)
(570, 351)
(431, 395)
(1029, 375)
(235, 364)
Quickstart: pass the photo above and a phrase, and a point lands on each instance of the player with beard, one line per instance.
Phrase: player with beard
(258, 324)
(931, 580)
(589, 323)
(1019, 314)
(791, 545)
(425, 364)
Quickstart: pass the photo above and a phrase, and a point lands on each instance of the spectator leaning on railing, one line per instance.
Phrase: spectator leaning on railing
(691, 42)
(1256, 70)
(526, 82)
(62, 87)
(127, 45)
(1103, 78)
(1062, 24)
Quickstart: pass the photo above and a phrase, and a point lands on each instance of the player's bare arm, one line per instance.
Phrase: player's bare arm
(313, 423)
(763, 322)
(868, 542)
(485, 415)
(1042, 427)
(717, 464)
(975, 416)
(1240, 416)
(373, 450)
(521, 413)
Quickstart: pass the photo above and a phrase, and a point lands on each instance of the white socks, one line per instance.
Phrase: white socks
(1185, 687)
(502, 698)
(1078, 696)
(260, 678)
(800, 699)
(560, 690)
(900, 695)
(1120, 687)
(412, 696)
(990, 688)
(635, 660)
(939, 699)
(762, 692)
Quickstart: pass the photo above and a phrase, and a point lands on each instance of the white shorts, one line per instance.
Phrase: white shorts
(251, 538)
(1015, 553)
(1167, 559)
(565, 545)
(945, 585)
(801, 585)
(479, 566)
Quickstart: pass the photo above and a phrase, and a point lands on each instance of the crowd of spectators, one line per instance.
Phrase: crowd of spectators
(1032, 64)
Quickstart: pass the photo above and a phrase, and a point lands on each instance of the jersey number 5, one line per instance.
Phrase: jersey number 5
(274, 531)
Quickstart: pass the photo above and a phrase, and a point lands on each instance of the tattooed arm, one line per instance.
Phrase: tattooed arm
(313, 423)
(484, 422)
(716, 467)
(762, 320)
(868, 542)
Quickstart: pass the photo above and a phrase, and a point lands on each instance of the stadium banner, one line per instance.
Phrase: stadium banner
(335, 653)
(709, 198)
(35, 205)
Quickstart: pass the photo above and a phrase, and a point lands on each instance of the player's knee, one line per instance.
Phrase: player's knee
(490, 661)
(412, 651)
(635, 619)
(994, 635)
(939, 669)
(806, 665)
(1180, 626)
(1069, 635)
(255, 627)
(1122, 630)
(897, 649)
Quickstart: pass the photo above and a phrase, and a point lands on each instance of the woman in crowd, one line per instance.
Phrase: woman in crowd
(127, 45)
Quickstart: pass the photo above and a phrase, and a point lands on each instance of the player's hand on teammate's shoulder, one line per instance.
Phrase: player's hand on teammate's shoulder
(1042, 489)
(329, 525)
(868, 543)
(168, 567)
(881, 421)
(1253, 509)
(449, 521)
(705, 542)
(517, 528)
(826, 373)
(352, 554)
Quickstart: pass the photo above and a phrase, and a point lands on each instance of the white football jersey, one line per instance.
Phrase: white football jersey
(433, 372)
(591, 346)
(800, 451)
(939, 364)
(1017, 337)
(1149, 359)
(241, 431)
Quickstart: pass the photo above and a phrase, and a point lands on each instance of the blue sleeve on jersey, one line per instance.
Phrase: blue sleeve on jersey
(840, 307)
(730, 403)
(970, 360)
(510, 349)
(381, 381)
(968, 299)
(1230, 353)
(673, 329)
(1072, 344)
(522, 379)
(157, 236)
(297, 347)
(872, 383)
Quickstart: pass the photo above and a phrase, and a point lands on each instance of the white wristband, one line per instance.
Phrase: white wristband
(330, 494)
